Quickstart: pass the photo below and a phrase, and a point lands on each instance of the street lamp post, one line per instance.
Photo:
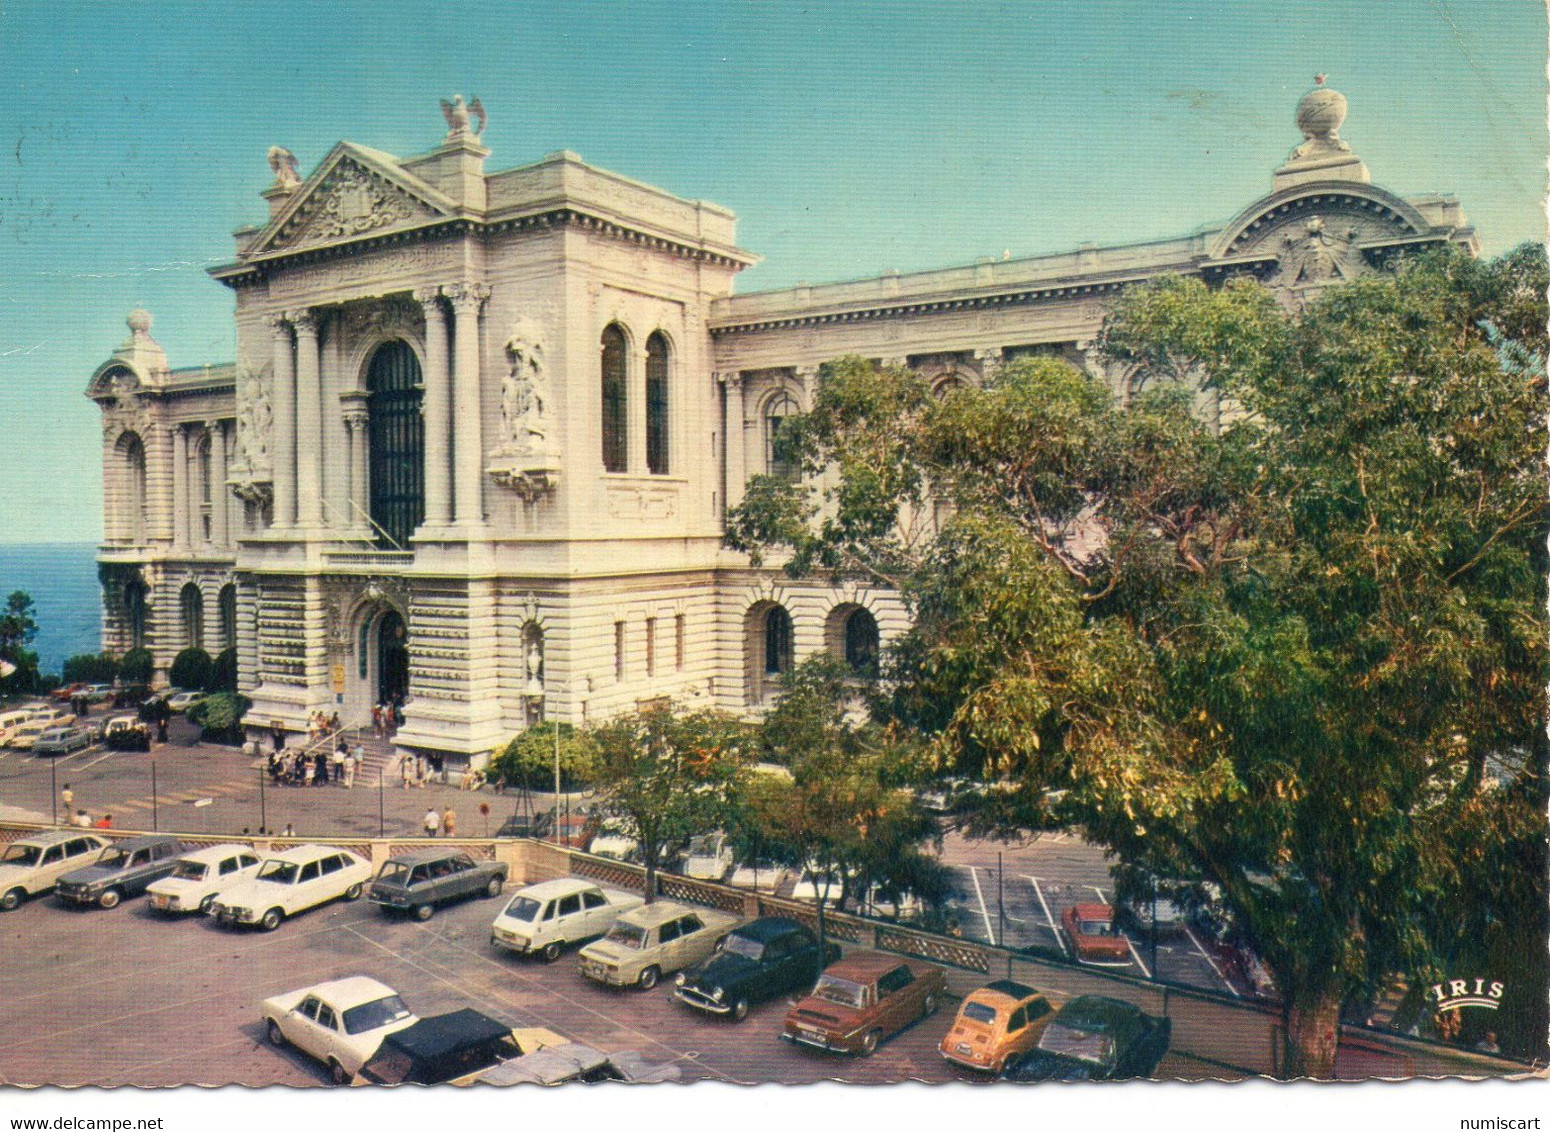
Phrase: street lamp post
(263, 801)
(53, 787)
(155, 812)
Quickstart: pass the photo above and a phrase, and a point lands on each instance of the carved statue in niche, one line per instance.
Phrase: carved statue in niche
(535, 664)
(255, 417)
(525, 395)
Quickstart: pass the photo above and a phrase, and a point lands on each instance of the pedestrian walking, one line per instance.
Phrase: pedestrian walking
(337, 761)
(431, 822)
(321, 761)
(348, 769)
(405, 769)
(67, 800)
(290, 830)
(419, 772)
(333, 724)
(376, 720)
(449, 821)
(277, 737)
(307, 770)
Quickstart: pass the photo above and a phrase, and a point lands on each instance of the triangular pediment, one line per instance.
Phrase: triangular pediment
(355, 192)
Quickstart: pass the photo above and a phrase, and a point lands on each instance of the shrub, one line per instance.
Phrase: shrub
(223, 672)
(191, 669)
(528, 760)
(136, 666)
(219, 717)
(89, 668)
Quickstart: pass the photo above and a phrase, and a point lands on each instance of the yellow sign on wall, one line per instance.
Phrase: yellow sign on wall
(338, 679)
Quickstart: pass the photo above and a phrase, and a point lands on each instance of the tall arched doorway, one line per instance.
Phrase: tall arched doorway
(392, 658)
(396, 443)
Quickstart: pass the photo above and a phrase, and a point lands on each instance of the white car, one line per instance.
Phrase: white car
(614, 842)
(759, 877)
(182, 701)
(709, 857)
(545, 917)
(25, 736)
(292, 882)
(341, 1023)
(199, 876)
(31, 865)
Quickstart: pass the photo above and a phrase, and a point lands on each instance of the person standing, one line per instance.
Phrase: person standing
(341, 749)
(67, 800)
(419, 771)
(321, 759)
(347, 770)
(405, 769)
(449, 821)
(431, 821)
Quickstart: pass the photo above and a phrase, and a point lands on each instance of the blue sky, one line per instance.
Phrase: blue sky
(850, 138)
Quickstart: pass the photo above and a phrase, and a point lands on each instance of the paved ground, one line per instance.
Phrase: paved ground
(123, 997)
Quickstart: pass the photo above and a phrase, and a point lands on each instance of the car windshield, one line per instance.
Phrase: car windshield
(979, 1012)
(279, 872)
(190, 870)
(22, 854)
(383, 1012)
(1081, 1045)
(112, 859)
(741, 945)
(842, 991)
(628, 935)
(523, 908)
(707, 845)
(1095, 927)
(394, 871)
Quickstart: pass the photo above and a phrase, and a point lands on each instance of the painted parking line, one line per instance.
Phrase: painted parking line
(985, 912)
(1039, 892)
(1211, 963)
(94, 762)
(1099, 891)
(1136, 955)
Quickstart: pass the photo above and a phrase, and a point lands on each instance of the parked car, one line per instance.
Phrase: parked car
(11, 722)
(564, 1062)
(613, 841)
(759, 877)
(519, 824)
(98, 693)
(31, 865)
(126, 733)
(23, 738)
(864, 999)
(125, 868)
(763, 959)
(1093, 1038)
(546, 917)
(290, 882)
(995, 1023)
(1094, 938)
(709, 857)
(453, 1048)
(63, 739)
(340, 1023)
(1136, 913)
(654, 940)
(198, 876)
(67, 692)
(182, 701)
(417, 882)
(885, 901)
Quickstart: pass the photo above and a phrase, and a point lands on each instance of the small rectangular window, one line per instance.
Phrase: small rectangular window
(593, 899)
(678, 643)
(570, 905)
(619, 650)
(651, 646)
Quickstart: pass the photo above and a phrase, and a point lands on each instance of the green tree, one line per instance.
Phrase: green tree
(528, 760)
(670, 775)
(1299, 657)
(223, 672)
(219, 717)
(90, 668)
(136, 666)
(191, 669)
(18, 627)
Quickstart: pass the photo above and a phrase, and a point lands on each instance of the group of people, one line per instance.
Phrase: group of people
(318, 769)
(445, 822)
(77, 816)
(387, 717)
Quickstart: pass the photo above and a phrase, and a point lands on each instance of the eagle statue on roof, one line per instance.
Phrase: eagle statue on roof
(457, 116)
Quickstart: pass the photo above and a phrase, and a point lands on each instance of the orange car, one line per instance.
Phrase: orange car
(994, 1023)
(1093, 936)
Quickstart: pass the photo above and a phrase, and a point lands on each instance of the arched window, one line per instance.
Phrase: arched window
(615, 401)
(396, 443)
(131, 504)
(656, 405)
(946, 384)
(228, 605)
(779, 460)
(767, 644)
(777, 641)
(193, 609)
(202, 463)
(861, 642)
(134, 612)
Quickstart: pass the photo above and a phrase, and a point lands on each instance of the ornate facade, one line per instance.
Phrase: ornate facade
(482, 429)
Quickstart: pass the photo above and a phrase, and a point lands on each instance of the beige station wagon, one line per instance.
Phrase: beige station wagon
(654, 940)
(31, 865)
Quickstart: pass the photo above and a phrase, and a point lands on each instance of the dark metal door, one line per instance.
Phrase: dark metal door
(397, 437)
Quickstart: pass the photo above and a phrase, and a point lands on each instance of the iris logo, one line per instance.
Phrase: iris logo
(1457, 993)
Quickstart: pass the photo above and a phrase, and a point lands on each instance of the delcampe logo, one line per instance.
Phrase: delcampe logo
(1455, 994)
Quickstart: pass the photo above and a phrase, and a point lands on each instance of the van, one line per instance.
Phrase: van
(9, 722)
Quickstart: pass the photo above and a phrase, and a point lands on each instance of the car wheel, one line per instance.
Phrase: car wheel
(869, 1042)
(493, 889)
(204, 905)
(336, 1073)
(12, 900)
(354, 891)
(740, 1010)
(928, 1008)
(276, 1038)
(110, 898)
(648, 978)
(552, 951)
(272, 919)
(423, 912)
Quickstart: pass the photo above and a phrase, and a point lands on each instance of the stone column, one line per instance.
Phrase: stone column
(437, 404)
(737, 472)
(356, 422)
(196, 527)
(284, 424)
(309, 422)
(807, 378)
(180, 477)
(635, 411)
(220, 498)
(467, 299)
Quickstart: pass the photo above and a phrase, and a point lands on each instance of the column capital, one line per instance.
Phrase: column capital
(987, 354)
(356, 417)
(466, 296)
(305, 322)
(732, 379)
(280, 323)
(426, 297)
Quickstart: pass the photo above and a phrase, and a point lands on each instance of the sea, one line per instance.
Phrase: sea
(67, 601)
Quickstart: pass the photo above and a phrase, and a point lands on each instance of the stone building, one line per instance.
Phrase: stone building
(482, 428)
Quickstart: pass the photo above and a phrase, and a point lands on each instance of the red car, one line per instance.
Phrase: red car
(1093, 936)
(862, 999)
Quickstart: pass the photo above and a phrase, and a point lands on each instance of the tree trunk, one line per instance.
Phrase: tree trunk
(1312, 1035)
(651, 870)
